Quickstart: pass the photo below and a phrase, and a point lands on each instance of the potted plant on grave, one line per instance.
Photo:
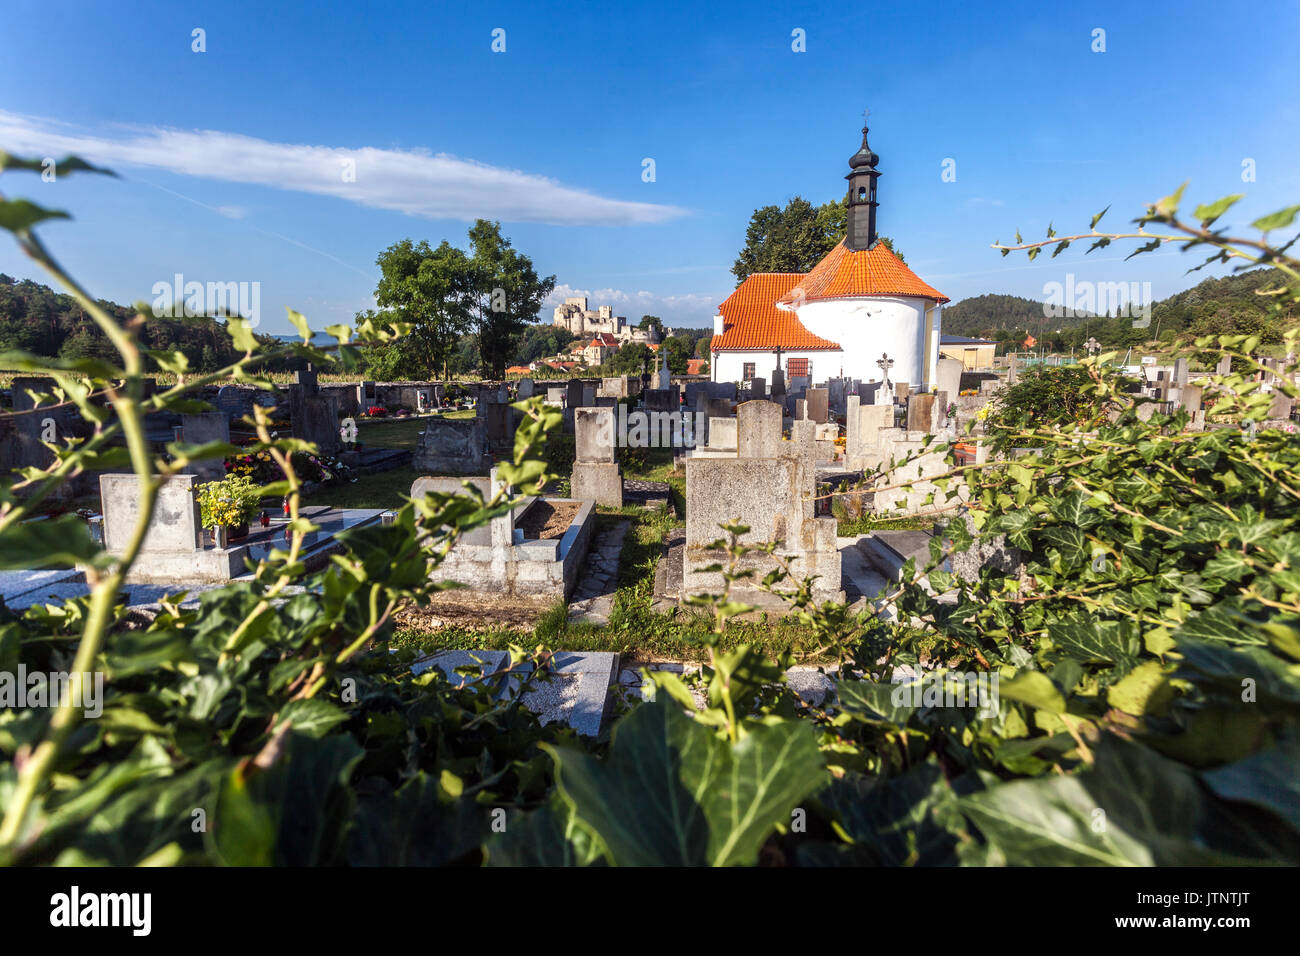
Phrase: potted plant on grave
(227, 506)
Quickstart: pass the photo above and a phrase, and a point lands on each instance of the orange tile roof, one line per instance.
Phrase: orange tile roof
(751, 319)
(876, 271)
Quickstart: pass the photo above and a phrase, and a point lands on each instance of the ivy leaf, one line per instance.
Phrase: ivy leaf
(1097, 218)
(1209, 213)
(19, 215)
(1151, 246)
(1267, 779)
(37, 544)
(1133, 808)
(300, 323)
(549, 836)
(674, 793)
(241, 334)
(1169, 205)
(312, 716)
(1278, 220)
(64, 167)
(873, 702)
(1035, 689)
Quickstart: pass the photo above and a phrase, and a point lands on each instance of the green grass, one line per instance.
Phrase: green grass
(400, 432)
(383, 489)
(633, 629)
(851, 527)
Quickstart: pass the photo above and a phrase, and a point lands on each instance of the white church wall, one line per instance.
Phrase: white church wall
(866, 327)
(729, 366)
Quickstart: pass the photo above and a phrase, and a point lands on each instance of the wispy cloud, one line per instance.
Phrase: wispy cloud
(415, 182)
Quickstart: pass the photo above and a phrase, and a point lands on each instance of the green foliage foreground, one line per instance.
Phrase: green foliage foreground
(1148, 652)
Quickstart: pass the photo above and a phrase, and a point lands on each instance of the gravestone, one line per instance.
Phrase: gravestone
(722, 434)
(758, 427)
(901, 391)
(174, 526)
(525, 389)
(778, 384)
(757, 388)
(595, 469)
(800, 409)
(314, 415)
(451, 446)
(199, 429)
(852, 407)
(1180, 372)
(836, 392)
(920, 413)
(948, 377)
(481, 535)
(661, 399)
(803, 438)
(663, 377)
(235, 402)
(773, 497)
(23, 434)
(817, 405)
(1281, 407)
(573, 395)
(1224, 367)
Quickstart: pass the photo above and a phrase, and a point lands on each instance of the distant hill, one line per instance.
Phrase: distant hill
(983, 315)
(36, 319)
(1213, 306)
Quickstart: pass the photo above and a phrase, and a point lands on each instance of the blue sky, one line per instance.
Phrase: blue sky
(231, 160)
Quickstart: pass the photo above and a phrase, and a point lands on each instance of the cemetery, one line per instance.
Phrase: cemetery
(831, 596)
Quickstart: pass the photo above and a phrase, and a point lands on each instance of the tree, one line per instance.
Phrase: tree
(679, 353)
(430, 289)
(505, 294)
(649, 322)
(630, 359)
(540, 341)
(793, 238)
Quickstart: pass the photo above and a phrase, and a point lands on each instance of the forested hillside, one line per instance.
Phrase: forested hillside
(36, 319)
(1214, 306)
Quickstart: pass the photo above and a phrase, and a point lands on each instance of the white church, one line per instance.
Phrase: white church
(858, 308)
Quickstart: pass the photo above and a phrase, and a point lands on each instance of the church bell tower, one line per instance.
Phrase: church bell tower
(862, 197)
